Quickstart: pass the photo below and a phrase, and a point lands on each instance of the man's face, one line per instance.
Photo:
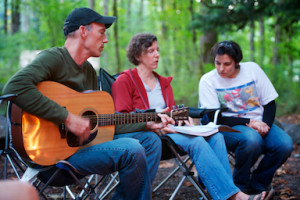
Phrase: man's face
(95, 39)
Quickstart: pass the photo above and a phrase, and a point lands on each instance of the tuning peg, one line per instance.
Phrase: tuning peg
(180, 106)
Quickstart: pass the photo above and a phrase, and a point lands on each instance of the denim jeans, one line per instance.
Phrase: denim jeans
(125, 155)
(211, 161)
(248, 146)
(152, 145)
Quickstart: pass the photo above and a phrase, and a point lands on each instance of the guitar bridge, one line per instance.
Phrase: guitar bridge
(62, 130)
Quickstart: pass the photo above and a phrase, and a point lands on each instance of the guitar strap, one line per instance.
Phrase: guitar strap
(143, 99)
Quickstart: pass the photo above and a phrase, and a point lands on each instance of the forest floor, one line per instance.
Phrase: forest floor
(286, 181)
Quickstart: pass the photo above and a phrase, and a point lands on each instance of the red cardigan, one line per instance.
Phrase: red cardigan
(129, 92)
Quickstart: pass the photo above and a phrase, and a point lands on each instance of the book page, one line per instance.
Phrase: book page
(203, 130)
(199, 130)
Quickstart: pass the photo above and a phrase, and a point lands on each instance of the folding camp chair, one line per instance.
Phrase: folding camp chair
(170, 150)
(8, 153)
(62, 174)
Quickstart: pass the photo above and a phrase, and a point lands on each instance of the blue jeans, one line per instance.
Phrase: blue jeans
(125, 155)
(152, 145)
(248, 146)
(211, 161)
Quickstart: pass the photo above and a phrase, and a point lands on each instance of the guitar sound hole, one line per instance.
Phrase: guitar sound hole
(93, 118)
(73, 140)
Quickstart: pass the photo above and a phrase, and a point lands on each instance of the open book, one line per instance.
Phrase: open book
(203, 130)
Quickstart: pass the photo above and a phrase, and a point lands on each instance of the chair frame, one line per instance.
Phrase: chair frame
(9, 153)
(182, 164)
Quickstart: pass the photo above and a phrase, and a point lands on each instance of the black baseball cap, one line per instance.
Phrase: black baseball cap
(84, 16)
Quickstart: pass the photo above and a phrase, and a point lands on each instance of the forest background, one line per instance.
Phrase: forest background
(267, 30)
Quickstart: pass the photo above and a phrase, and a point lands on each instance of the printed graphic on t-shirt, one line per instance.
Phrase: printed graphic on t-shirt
(240, 99)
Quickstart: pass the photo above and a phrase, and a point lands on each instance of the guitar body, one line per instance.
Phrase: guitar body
(45, 143)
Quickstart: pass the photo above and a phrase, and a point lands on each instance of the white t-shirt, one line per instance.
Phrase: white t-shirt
(245, 95)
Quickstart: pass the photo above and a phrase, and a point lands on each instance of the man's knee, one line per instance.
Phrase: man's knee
(133, 145)
(252, 143)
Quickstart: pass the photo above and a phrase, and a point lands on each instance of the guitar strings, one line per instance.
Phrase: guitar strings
(125, 118)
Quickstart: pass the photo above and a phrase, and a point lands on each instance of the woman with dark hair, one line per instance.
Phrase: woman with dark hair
(249, 95)
(142, 88)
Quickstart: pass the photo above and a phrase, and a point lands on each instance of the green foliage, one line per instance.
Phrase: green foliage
(289, 94)
(230, 15)
(9, 56)
(52, 14)
(179, 43)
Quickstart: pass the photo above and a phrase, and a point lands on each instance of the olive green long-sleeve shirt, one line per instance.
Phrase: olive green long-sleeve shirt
(55, 64)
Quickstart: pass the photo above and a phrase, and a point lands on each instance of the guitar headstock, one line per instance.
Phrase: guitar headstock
(180, 113)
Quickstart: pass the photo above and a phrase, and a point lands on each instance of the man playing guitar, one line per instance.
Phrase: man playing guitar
(135, 158)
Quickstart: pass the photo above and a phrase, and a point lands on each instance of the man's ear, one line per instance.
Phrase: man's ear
(82, 31)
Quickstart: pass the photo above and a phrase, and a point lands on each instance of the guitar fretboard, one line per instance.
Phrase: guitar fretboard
(126, 118)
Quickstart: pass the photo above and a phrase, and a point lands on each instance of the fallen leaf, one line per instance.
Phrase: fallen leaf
(165, 164)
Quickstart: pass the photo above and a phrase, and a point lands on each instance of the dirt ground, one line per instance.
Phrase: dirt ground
(286, 181)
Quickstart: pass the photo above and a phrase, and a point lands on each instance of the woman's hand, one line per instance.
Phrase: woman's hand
(160, 128)
(261, 127)
(188, 122)
(169, 129)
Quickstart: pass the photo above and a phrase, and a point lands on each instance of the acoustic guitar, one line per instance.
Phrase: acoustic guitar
(45, 143)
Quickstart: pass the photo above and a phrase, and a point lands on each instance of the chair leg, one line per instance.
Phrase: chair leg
(109, 187)
(82, 186)
(199, 188)
(9, 158)
(177, 188)
(169, 176)
(49, 181)
(186, 174)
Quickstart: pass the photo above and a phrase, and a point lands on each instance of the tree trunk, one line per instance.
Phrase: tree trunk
(15, 4)
(163, 25)
(262, 41)
(128, 15)
(25, 16)
(118, 67)
(252, 33)
(92, 4)
(207, 41)
(194, 36)
(5, 17)
(141, 14)
(105, 7)
(290, 57)
(276, 45)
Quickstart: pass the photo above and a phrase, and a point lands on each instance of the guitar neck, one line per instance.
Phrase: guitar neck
(127, 118)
